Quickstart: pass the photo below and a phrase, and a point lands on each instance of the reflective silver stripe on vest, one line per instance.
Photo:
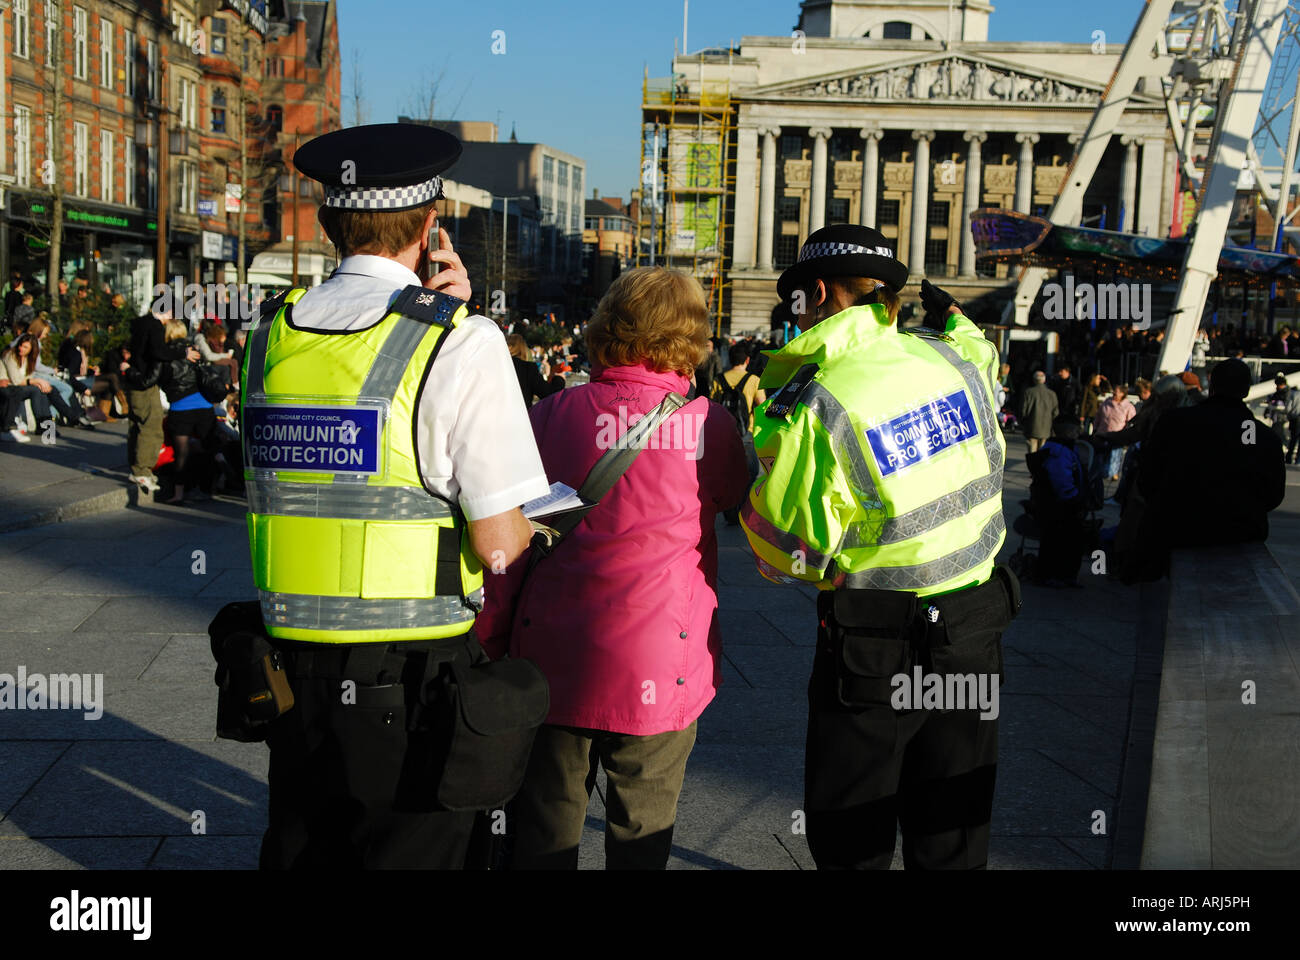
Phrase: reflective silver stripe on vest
(926, 517)
(921, 576)
(257, 343)
(343, 503)
(782, 540)
(394, 356)
(295, 611)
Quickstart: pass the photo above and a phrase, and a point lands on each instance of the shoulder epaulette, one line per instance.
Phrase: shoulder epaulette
(783, 402)
(929, 333)
(271, 306)
(427, 306)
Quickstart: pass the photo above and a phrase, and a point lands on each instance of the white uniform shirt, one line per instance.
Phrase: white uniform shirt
(476, 445)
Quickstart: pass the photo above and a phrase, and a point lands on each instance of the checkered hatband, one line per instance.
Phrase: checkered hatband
(384, 198)
(811, 250)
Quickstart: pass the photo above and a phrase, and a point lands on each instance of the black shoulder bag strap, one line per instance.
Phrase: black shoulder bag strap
(606, 472)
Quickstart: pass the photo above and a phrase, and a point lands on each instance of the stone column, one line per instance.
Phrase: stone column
(870, 175)
(1148, 213)
(1025, 172)
(817, 199)
(767, 196)
(1128, 184)
(746, 228)
(970, 199)
(920, 200)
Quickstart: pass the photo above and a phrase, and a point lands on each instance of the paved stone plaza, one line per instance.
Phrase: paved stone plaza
(120, 592)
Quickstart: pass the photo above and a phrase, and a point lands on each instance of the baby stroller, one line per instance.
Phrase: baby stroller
(1024, 561)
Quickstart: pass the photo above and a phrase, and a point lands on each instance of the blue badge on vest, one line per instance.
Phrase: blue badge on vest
(919, 434)
(313, 439)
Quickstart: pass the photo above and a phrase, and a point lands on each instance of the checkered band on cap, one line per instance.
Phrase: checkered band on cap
(811, 250)
(383, 198)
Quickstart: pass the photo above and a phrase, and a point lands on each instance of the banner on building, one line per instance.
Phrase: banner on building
(253, 11)
(234, 193)
(695, 226)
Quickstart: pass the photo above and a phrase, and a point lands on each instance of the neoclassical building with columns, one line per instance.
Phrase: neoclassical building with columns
(902, 115)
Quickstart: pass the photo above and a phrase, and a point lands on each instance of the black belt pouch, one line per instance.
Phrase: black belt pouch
(966, 635)
(490, 713)
(871, 634)
(254, 689)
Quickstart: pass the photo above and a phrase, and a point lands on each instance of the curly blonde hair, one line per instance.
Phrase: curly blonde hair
(651, 315)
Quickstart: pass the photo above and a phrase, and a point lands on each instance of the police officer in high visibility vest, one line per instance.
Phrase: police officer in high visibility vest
(387, 453)
(881, 483)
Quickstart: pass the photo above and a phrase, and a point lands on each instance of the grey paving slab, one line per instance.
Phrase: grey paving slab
(763, 787)
(798, 625)
(222, 548)
(107, 580)
(132, 710)
(161, 614)
(120, 656)
(77, 853)
(769, 598)
(207, 853)
(1026, 778)
(748, 627)
(1029, 853)
(784, 667)
(182, 659)
(771, 716)
(24, 763)
(20, 574)
(139, 789)
(233, 584)
(125, 551)
(22, 613)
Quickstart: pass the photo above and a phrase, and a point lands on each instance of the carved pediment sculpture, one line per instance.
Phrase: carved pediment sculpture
(951, 79)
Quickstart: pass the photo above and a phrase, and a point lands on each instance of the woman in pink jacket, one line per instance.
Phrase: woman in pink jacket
(1112, 416)
(622, 618)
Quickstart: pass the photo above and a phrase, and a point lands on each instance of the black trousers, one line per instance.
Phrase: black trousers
(873, 770)
(349, 783)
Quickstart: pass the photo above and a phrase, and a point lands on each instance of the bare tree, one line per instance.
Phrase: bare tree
(358, 91)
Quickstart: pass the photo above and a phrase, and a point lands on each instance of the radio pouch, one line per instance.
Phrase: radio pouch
(253, 687)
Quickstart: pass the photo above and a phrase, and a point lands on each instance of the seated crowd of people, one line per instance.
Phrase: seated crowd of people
(199, 381)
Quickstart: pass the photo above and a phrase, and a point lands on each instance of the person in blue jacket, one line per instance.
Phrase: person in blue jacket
(1058, 496)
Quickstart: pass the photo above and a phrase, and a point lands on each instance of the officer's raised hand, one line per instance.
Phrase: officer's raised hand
(453, 278)
(938, 303)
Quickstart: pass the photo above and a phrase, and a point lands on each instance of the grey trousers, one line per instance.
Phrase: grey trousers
(644, 777)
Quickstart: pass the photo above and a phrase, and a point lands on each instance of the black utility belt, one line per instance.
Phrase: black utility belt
(877, 635)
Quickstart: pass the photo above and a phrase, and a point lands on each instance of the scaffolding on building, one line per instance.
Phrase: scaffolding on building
(688, 180)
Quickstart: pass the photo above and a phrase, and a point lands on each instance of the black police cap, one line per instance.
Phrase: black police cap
(844, 250)
(379, 166)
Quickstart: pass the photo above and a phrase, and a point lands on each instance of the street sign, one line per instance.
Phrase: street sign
(233, 194)
(207, 208)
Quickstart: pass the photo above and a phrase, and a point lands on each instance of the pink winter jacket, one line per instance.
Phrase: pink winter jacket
(1113, 414)
(622, 618)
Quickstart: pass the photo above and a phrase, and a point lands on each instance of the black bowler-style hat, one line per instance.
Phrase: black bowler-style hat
(844, 250)
(379, 166)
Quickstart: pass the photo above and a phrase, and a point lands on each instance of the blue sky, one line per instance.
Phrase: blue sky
(571, 72)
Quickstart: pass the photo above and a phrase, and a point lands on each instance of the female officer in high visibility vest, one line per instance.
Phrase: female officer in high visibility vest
(387, 453)
(882, 484)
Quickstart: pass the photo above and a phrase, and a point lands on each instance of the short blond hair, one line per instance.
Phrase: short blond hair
(861, 290)
(175, 330)
(518, 347)
(651, 315)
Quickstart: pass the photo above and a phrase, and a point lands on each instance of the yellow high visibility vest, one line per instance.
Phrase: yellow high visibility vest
(347, 543)
(882, 457)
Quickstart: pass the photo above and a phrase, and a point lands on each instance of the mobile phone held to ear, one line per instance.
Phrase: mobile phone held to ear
(429, 269)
